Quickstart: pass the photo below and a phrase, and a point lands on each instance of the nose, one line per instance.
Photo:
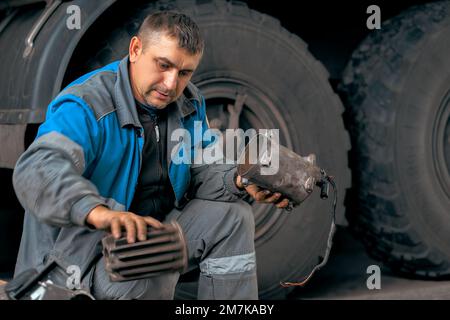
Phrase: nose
(170, 80)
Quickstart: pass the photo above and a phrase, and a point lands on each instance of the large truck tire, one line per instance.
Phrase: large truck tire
(397, 88)
(250, 60)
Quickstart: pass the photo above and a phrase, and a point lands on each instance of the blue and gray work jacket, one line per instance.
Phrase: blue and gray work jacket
(87, 153)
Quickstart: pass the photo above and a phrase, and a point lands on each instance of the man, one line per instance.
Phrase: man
(101, 162)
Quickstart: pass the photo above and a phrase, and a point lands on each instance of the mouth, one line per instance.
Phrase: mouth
(162, 96)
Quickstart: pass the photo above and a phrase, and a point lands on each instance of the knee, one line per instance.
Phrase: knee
(160, 287)
(241, 213)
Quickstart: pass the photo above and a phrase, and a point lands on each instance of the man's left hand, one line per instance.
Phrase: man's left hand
(263, 195)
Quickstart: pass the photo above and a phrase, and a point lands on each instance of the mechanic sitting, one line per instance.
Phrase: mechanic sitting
(101, 162)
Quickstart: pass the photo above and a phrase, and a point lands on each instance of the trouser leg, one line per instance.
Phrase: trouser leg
(220, 239)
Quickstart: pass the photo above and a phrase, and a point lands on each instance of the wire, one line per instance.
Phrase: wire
(303, 282)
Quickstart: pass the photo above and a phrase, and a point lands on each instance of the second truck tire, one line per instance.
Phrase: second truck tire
(397, 89)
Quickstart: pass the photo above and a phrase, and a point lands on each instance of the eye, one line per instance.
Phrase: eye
(184, 73)
(163, 65)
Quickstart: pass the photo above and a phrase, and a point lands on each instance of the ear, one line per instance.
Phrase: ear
(135, 49)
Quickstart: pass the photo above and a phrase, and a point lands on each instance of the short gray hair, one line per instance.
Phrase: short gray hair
(176, 25)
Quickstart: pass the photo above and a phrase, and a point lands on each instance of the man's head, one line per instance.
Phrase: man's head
(163, 56)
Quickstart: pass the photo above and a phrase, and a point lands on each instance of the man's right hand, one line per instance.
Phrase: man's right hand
(103, 218)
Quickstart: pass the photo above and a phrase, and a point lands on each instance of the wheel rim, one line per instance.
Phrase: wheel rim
(258, 111)
(441, 144)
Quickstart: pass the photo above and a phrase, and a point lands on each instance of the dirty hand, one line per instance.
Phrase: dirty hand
(263, 195)
(103, 218)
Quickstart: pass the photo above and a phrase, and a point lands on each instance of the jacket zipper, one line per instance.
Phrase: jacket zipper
(157, 132)
(141, 146)
(158, 146)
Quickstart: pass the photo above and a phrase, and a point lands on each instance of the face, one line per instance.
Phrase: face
(160, 72)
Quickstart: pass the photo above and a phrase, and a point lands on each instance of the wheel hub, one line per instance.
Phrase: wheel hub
(234, 104)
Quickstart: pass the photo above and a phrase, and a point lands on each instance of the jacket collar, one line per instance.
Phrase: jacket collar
(126, 106)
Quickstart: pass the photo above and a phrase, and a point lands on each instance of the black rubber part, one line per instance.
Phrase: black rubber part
(393, 86)
(257, 50)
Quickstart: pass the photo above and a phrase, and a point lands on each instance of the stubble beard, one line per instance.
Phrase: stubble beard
(160, 105)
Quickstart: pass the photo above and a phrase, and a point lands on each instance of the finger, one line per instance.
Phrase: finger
(273, 198)
(153, 222)
(115, 228)
(283, 204)
(130, 226)
(261, 195)
(252, 190)
(141, 228)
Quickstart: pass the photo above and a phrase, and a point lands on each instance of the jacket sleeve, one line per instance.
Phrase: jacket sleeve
(213, 181)
(48, 177)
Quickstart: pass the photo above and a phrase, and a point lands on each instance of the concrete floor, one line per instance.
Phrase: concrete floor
(345, 277)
